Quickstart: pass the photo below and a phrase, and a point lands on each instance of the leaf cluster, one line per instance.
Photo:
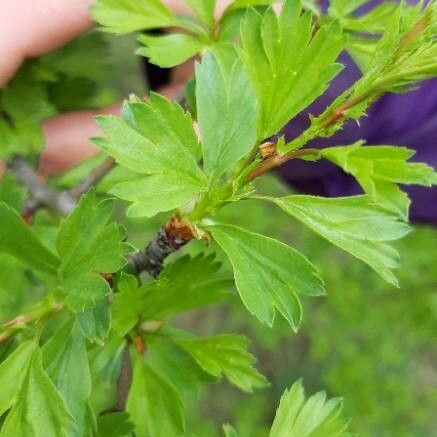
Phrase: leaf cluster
(257, 70)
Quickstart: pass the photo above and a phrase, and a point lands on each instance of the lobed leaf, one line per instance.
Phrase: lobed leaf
(225, 355)
(379, 168)
(66, 362)
(86, 241)
(154, 404)
(39, 409)
(171, 294)
(289, 64)
(154, 194)
(312, 417)
(155, 138)
(125, 16)
(89, 246)
(176, 365)
(12, 374)
(18, 240)
(226, 112)
(355, 224)
(169, 50)
(268, 274)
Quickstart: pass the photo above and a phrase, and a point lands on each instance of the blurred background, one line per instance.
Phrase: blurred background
(366, 341)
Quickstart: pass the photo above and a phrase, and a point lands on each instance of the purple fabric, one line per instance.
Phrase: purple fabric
(397, 119)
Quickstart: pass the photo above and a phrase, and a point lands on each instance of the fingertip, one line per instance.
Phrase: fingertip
(31, 28)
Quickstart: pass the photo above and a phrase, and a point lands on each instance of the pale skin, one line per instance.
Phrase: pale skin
(32, 28)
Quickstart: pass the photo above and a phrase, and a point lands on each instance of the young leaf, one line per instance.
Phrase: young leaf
(225, 355)
(379, 168)
(18, 240)
(12, 373)
(66, 362)
(39, 409)
(298, 62)
(405, 55)
(226, 111)
(155, 138)
(167, 51)
(355, 224)
(124, 16)
(314, 417)
(154, 404)
(268, 274)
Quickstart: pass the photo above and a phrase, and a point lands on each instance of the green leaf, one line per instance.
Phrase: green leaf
(355, 224)
(167, 51)
(85, 291)
(176, 365)
(204, 10)
(125, 311)
(155, 138)
(268, 274)
(89, 246)
(18, 239)
(39, 410)
(154, 404)
(12, 373)
(312, 417)
(298, 62)
(114, 425)
(95, 322)
(227, 112)
(207, 285)
(124, 16)
(379, 168)
(171, 294)
(87, 243)
(154, 194)
(66, 362)
(225, 355)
